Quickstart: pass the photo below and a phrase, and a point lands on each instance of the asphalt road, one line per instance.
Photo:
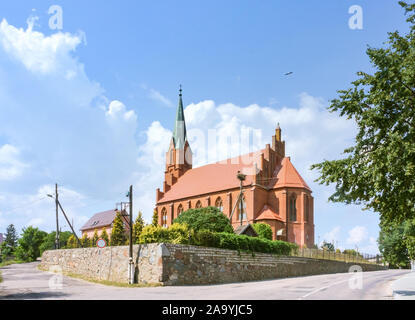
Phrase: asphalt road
(25, 281)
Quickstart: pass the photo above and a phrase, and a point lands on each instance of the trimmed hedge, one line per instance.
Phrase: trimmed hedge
(182, 234)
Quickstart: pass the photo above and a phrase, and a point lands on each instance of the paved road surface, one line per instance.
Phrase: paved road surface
(25, 281)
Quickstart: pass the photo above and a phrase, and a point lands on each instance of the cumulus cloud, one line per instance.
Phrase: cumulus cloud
(38, 210)
(63, 124)
(332, 236)
(10, 165)
(357, 235)
(40, 53)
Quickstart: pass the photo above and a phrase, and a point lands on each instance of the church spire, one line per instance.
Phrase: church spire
(179, 133)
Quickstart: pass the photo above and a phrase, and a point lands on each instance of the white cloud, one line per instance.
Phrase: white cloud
(38, 209)
(357, 235)
(10, 165)
(157, 96)
(40, 53)
(333, 235)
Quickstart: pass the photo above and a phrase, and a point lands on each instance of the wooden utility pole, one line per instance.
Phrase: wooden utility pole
(57, 219)
(131, 262)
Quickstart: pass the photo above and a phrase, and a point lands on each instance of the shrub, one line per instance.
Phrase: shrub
(72, 242)
(243, 243)
(179, 233)
(118, 233)
(94, 238)
(104, 235)
(210, 218)
(153, 234)
(206, 238)
(85, 241)
(263, 230)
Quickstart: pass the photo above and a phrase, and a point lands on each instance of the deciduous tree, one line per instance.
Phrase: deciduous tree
(379, 170)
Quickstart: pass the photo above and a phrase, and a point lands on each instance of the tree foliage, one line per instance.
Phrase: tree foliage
(118, 233)
(95, 238)
(72, 242)
(49, 242)
(11, 237)
(138, 227)
(85, 241)
(378, 171)
(28, 248)
(104, 235)
(263, 230)
(328, 246)
(393, 246)
(209, 218)
(155, 220)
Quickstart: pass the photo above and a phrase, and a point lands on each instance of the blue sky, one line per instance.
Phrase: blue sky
(92, 106)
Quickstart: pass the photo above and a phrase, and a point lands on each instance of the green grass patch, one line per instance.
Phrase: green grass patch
(9, 262)
(107, 282)
(1, 278)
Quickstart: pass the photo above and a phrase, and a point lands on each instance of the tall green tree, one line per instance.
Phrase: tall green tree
(155, 220)
(85, 241)
(95, 238)
(379, 170)
(138, 227)
(11, 237)
(409, 234)
(49, 242)
(72, 242)
(28, 248)
(118, 233)
(104, 235)
(393, 246)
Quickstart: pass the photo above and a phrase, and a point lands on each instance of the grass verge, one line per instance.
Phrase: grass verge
(107, 282)
(1, 278)
(9, 262)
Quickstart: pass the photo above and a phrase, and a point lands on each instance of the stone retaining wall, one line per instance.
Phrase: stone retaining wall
(170, 264)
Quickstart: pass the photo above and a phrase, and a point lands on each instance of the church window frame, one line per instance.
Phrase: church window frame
(293, 208)
(180, 210)
(198, 204)
(219, 204)
(164, 217)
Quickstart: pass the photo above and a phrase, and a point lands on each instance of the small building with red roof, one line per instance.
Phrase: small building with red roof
(273, 191)
(104, 221)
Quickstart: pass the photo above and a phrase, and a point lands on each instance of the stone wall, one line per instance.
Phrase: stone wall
(170, 264)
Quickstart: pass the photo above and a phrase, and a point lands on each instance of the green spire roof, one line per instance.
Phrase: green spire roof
(179, 133)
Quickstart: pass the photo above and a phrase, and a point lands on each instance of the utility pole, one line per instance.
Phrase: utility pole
(131, 262)
(57, 219)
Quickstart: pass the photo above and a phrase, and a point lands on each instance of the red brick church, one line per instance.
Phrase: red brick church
(273, 190)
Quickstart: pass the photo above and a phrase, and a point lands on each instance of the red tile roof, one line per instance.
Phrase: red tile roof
(268, 214)
(99, 220)
(287, 176)
(213, 177)
(222, 176)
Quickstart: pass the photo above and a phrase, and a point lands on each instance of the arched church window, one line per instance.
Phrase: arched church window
(219, 204)
(307, 208)
(179, 210)
(293, 209)
(164, 217)
(198, 205)
(242, 215)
